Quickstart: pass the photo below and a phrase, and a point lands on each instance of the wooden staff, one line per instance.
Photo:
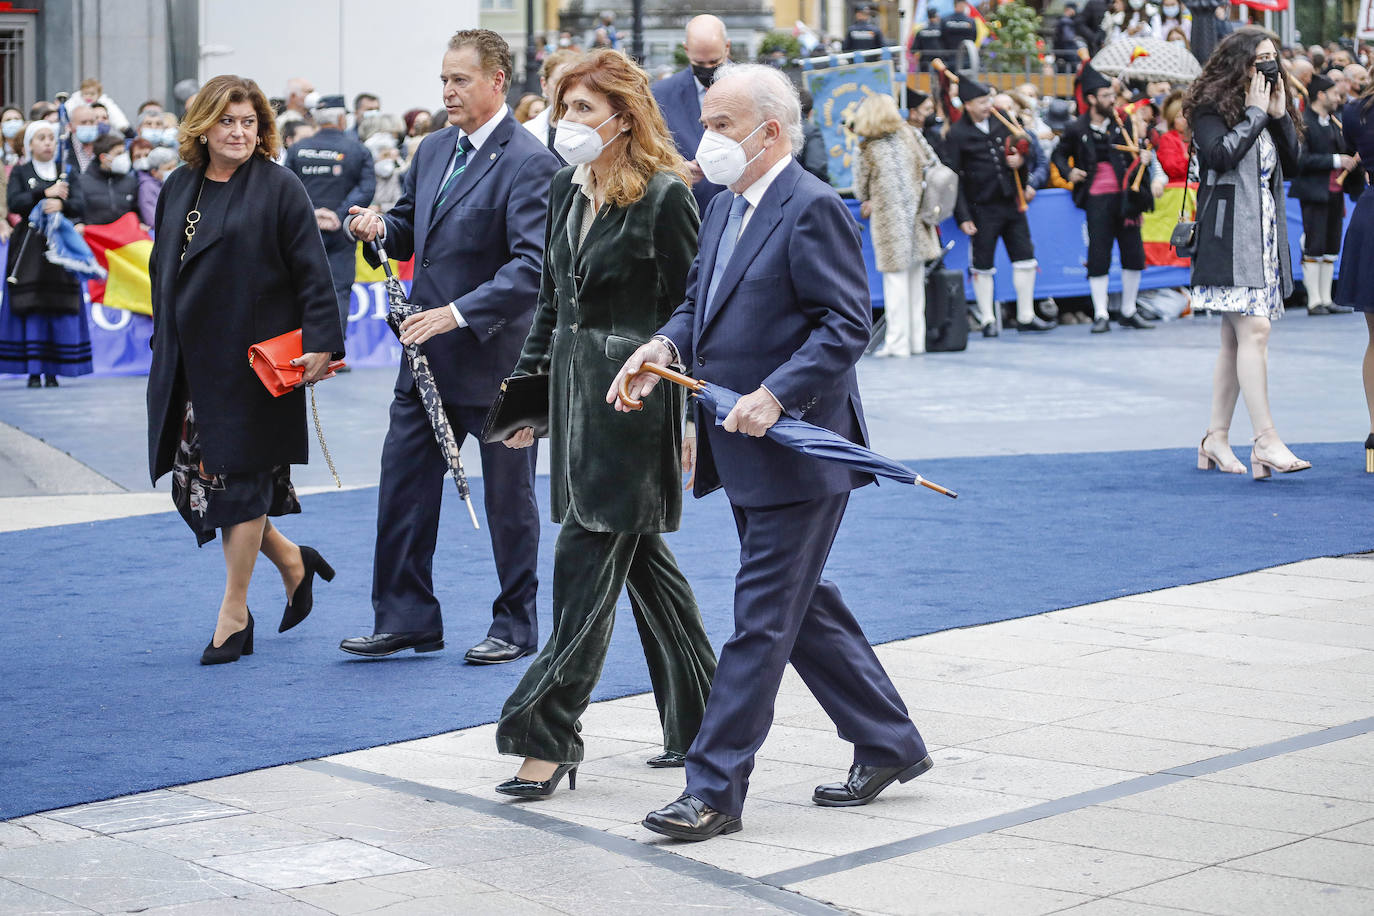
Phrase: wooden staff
(1345, 173)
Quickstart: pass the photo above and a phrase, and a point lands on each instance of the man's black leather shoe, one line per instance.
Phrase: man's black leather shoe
(990, 329)
(1101, 326)
(865, 783)
(668, 759)
(1135, 321)
(380, 645)
(1035, 324)
(691, 819)
(1334, 309)
(493, 651)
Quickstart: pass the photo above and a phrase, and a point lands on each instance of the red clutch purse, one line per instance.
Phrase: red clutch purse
(271, 360)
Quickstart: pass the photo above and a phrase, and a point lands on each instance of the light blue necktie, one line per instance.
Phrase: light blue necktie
(725, 248)
(460, 162)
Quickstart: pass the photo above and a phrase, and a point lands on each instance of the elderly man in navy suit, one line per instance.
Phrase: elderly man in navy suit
(679, 96)
(777, 308)
(472, 213)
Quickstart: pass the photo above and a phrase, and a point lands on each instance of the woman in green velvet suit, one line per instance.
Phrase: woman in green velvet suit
(621, 238)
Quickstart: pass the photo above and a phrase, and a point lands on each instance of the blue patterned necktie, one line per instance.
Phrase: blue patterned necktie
(726, 248)
(460, 162)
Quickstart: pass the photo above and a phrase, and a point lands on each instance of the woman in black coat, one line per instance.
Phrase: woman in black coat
(238, 260)
(43, 329)
(622, 234)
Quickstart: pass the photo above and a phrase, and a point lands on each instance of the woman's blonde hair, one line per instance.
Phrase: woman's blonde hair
(649, 147)
(877, 117)
(209, 106)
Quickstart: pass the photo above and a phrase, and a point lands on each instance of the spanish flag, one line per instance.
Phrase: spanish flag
(123, 249)
(1157, 226)
(979, 24)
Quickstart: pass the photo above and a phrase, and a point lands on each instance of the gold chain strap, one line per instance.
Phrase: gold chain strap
(319, 434)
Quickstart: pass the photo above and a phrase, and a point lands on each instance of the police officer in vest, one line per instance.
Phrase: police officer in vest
(864, 34)
(337, 173)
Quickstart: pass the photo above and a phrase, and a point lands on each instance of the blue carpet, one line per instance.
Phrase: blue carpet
(103, 623)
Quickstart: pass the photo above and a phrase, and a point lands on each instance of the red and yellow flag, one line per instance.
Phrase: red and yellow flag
(1157, 226)
(123, 249)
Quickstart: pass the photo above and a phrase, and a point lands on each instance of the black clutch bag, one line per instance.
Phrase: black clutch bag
(523, 401)
(1184, 237)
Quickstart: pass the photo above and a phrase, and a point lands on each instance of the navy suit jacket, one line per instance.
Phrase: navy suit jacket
(792, 313)
(483, 250)
(677, 99)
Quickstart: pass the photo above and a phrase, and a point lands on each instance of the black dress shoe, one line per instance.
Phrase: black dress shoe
(236, 646)
(1318, 309)
(667, 759)
(303, 598)
(35, 381)
(691, 819)
(1334, 309)
(865, 783)
(379, 645)
(1134, 321)
(1101, 326)
(1035, 324)
(493, 651)
(49, 381)
(990, 329)
(530, 788)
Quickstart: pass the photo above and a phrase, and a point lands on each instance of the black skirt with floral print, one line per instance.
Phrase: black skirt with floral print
(210, 501)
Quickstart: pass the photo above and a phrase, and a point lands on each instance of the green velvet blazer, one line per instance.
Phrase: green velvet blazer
(611, 471)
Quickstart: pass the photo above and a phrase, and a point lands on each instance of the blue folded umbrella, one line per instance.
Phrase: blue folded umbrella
(66, 247)
(807, 438)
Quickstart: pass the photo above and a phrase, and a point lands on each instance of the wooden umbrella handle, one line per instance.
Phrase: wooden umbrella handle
(686, 381)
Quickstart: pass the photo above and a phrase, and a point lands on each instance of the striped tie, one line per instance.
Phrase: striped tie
(460, 162)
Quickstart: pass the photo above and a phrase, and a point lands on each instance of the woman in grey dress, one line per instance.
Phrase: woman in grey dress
(1244, 137)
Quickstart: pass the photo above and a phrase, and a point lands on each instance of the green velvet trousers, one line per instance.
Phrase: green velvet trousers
(540, 719)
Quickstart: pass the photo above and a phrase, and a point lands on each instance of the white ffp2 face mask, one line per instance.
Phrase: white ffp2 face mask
(120, 164)
(577, 143)
(721, 159)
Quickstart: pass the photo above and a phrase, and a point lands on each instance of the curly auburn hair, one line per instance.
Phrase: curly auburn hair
(1225, 79)
(649, 147)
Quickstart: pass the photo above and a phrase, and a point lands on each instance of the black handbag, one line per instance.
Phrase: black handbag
(1184, 237)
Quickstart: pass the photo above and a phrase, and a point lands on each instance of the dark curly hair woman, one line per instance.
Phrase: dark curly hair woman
(1245, 138)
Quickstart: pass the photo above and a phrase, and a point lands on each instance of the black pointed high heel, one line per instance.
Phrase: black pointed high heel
(303, 599)
(529, 788)
(238, 644)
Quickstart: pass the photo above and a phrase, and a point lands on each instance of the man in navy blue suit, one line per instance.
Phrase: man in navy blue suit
(777, 308)
(472, 213)
(679, 96)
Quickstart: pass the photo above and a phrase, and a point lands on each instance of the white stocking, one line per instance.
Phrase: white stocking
(1312, 279)
(1098, 287)
(1130, 288)
(982, 296)
(1023, 279)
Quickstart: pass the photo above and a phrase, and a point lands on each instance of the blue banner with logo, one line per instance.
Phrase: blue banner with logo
(836, 93)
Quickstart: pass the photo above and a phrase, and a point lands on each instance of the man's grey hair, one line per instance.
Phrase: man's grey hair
(774, 96)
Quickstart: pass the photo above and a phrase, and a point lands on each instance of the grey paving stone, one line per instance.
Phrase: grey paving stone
(1248, 806)
(1228, 892)
(632, 891)
(103, 873)
(1104, 685)
(137, 812)
(347, 898)
(906, 658)
(1023, 775)
(1115, 906)
(1317, 859)
(1322, 632)
(1190, 725)
(267, 790)
(975, 699)
(37, 829)
(985, 642)
(745, 857)
(896, 889)
(410, 761)
(927, 805)
(1153, 834)
(498, 903)
(1257, 649)
(1097, 748)
(259, 903)
(1295, 583)
(225, 836)
(1209, 595)
(1353, 569)
(1294, 773)
(1040, 863)
(939, 727)
(1356, 833)
(387, 819)
(1272, 704)
(15, 898)
(1058, 629)
(316, 863)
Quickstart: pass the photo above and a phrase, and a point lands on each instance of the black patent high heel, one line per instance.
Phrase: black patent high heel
(529, 788)
(303, 598)
(239, 644)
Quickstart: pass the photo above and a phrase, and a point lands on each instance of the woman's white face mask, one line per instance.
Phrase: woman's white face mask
(723, 160)
(577, 143)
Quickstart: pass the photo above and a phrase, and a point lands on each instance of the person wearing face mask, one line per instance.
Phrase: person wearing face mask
(776, 308)
(158, 165)
(366, 108)
(12, 131)
(679, 96)
(109, 185)
(43, 328)
(83, 133)
(337, 172)
(472, 215)
(1172, 15)
(301, 99)
(622, 236)
(1326, 171)
(1245, 141)
(389, 168)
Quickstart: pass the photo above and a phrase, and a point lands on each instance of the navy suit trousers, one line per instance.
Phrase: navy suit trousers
(785, 611)
(408, 497)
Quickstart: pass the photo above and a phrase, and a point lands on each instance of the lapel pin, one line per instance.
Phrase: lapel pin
(493, 155)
